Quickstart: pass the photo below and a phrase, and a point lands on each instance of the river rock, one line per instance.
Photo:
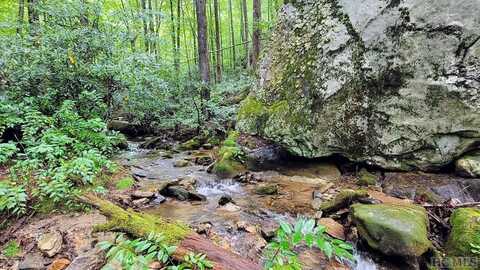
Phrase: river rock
(333, 228)
(125, 127)
(391, 83)
(32, 261)
(181, 163)
(469, 165)
(342, 200)
(140, 202)
(265, 157)
(138, 194)
(157, 143)
(90, 260)
(224, 199)
(266, 189)
(399, 230)
(50, 243)
(465, 231)
(59, 264)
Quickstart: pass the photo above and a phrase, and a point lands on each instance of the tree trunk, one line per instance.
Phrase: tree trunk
(151, 27)
(257, 17)
(145, 24)
(21, 13)
(202, 39)
(178, 234)
(177, 45)
(176, 62)
(232, 34)
(245, 29)
(33, 16)
(217, 42)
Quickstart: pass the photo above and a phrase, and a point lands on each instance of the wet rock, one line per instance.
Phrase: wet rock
(268, 229)
(333, 228)
(469, 165)
(207, 146)
(157, 143)
(230, 207)
(90, 260)
(138, 194)
(384, 198)
(191, 144)
(159, 199)
(452, 191)
(224, 199)
(32, 261)
(181, 163)
(203, 228)
(366, 178)
(266, 189)
(50, 243)
(59, 264)
(342, 200)
(265, 157)
(125, 127)
(203, 160)
(153, 186)
(187, 182)
(399, 230)
(180, 193)
(140, 202)
(465, 231)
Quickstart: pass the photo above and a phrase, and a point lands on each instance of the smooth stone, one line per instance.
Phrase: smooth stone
(50, 243)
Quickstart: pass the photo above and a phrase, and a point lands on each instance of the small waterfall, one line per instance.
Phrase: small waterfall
(363, 263)
(217, 188)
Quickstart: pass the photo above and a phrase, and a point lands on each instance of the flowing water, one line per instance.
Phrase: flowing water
(222, 221)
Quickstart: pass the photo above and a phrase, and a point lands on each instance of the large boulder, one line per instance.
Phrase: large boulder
(392, 83)
(465, 233)
(399, 230)
(469, 165)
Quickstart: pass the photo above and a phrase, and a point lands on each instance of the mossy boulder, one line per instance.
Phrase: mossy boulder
(266, 189)
(230, 158)
(343, 77)
(191, 144)
(399, 230)
(366, 178)
(465, 231)
(469, 165)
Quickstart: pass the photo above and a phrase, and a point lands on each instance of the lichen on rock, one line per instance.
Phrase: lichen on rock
(393, 84)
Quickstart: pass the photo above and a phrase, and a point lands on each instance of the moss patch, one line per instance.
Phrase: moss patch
(465, 231)
(342, 200)
(11, 249)
(393, 229)
(191, 144)
(366, 178)
(125, 183)
(230, 158)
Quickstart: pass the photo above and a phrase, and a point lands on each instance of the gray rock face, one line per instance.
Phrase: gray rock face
(395, 83)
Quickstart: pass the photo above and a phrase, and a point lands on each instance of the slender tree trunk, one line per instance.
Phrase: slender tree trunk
(176, 62)
(245, 29)
(33, 17)
(177, 45)
(151, 28)
(257, 17)
(232, 34)
(202, 38)
(21, 13)
(145, 25)
(217, 42)
(211, 35)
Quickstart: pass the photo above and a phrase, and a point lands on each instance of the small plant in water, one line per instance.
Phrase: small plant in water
(280, 254)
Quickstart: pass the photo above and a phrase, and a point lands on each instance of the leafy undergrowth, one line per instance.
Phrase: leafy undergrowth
(51, 159)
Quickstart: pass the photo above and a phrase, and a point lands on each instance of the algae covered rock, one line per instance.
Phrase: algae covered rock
(399, 230)
(465, 232)
(342, 200)
(469, 165)
(230, 158)
(391, 83)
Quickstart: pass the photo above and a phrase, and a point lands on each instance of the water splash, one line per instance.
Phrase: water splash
(364, 263)
(217, 188)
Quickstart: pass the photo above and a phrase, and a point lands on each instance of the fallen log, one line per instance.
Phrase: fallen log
(176, 233)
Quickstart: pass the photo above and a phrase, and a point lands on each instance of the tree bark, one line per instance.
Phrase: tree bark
(245, 30)
(257, 17)
(218, 46)
(145, 24)
(232, 34)
(33, 16)
(178, 234)
(21, 13)
(202, 39)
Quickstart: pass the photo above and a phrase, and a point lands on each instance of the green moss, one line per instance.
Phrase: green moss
(11, 249)
(250, 108)
(230, 161)
(393, 229)
(465, 231)
(125, 183)
(137, 224)
(191, 144)
(366, 178)
(343, 200)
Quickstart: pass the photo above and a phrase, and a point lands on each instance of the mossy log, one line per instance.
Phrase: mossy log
(176, 233)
